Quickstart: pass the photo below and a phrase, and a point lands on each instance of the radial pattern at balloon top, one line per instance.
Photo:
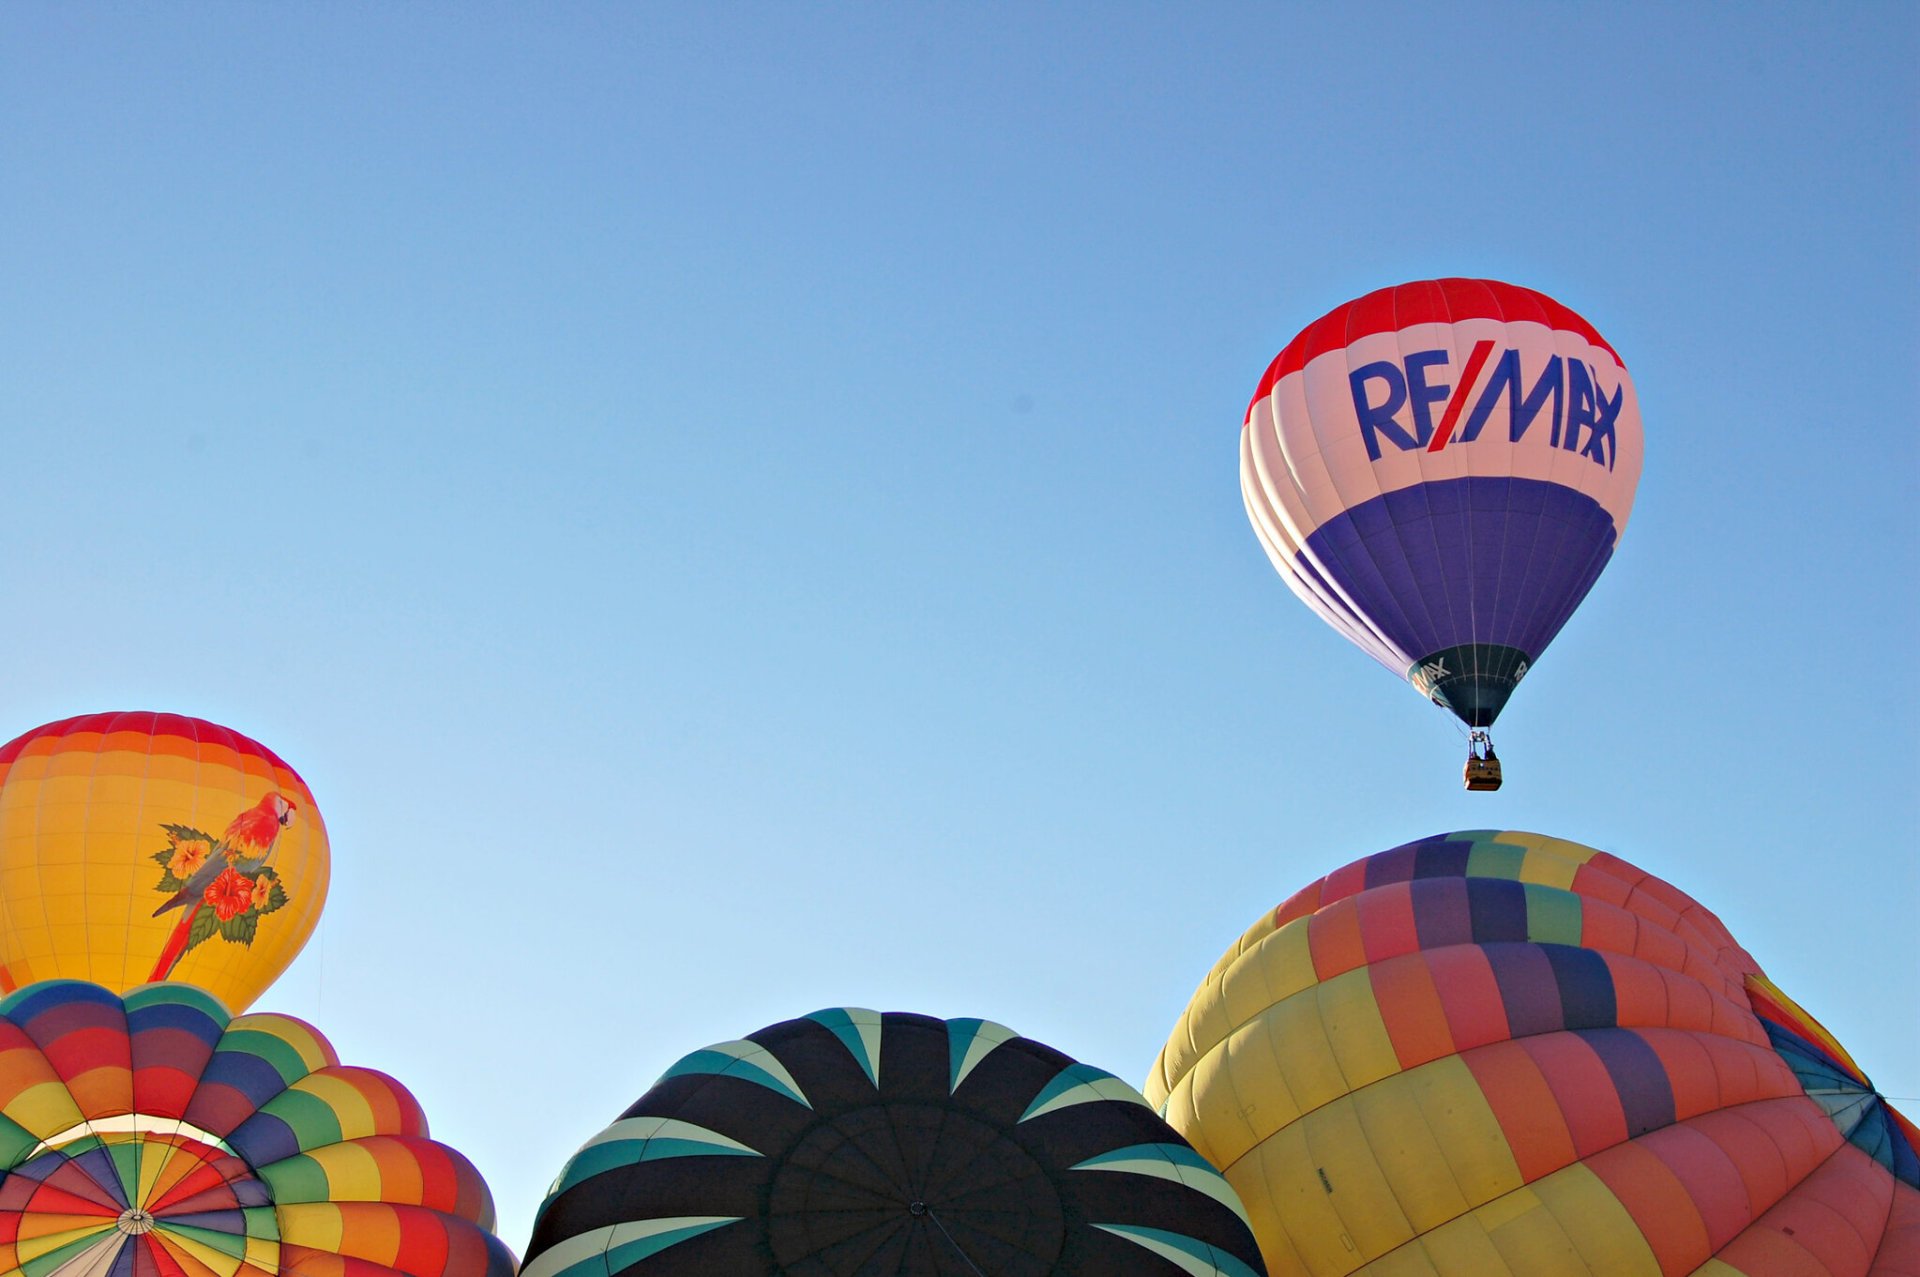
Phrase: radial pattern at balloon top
(1500, 1053)
(139, 847)
(850, 1142)
(152, 1136)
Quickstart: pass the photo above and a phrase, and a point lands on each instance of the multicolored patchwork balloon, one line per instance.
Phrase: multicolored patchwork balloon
(152, 1136)
(1441, 470)
(142, 847)
(1500, 1053)
(851, 1142)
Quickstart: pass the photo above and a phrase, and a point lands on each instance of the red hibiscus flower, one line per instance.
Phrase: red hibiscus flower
(229, 894)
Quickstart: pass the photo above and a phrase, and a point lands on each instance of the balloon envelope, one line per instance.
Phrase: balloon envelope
(1500, 1053)
(851, 1142)
(138, 847)
(152, 1136)
(1441, 470)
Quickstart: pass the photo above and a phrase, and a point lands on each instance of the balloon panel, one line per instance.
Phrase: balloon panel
(151, 1134)
(108, 818)
(1441, 471)
(853, 1142)
(1504, 1053)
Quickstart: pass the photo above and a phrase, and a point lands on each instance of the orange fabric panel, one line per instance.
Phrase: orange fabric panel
(1469, 995)
(1410, 1008)
(1525, 1107)
(1659, 1203)
(1706, 1172)
(1386, 922)
(1582, 1088)
(1333, 936)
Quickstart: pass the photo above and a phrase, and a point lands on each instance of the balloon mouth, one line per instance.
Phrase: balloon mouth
(1472, 681)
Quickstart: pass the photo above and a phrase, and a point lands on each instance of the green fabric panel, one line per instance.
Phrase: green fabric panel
(53, 1259)
(296, 1179)
(1553, 915)
(126, 1164)
(619, 1257)
(312, 1119)
(1490, 859)
(234, 1244)
(275, 1051)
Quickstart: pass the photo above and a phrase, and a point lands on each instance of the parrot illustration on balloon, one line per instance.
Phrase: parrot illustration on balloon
(223, 885)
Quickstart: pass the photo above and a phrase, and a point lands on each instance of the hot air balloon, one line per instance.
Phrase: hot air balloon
(850, 1142)
(1441, 470)
(1500, 1053)
(143, 847)
(152, 1136)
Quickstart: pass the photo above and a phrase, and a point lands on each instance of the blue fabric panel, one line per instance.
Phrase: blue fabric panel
(1646, 1095)
(1473, 560)
(1586, 987)
(1526, 989)
(1499, 909)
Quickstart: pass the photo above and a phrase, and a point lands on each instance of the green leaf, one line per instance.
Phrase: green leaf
(276, 898)
(240, 927)
(205, 923)
(186, 833)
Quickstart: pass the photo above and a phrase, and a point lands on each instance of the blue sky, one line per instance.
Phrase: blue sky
(732, 509)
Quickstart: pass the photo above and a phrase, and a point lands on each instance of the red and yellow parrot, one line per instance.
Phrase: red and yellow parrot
(244, 847)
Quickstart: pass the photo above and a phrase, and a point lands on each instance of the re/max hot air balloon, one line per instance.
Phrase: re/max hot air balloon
(1488, 1054)
(854, 1144)
(1441, 470)
(143, 847)
(152, 1136)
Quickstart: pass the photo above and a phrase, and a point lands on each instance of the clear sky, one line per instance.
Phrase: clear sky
(733, 509)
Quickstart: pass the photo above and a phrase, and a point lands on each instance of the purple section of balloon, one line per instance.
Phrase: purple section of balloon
(1475, 560)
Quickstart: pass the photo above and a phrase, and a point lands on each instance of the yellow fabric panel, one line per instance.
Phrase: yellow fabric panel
(1240, 1094)
(1461, 1249)
(1470, 1135)
(1356, 1184)
(1241, 987)
(316, 1225)
(262, 1253)
(1280, 1184)
(1438, 1141)
(1550, 861)
(1719, 1268)
(1590, 1219)
(1285, 960)
(314, 1050)
(43, 1231)
(44, 1110)
(216, 1261)
(353, 1174)
(348, 1102)
(1410, 1156)
(1297, 1062)
(1182, 1113)
(1548, 871)
(1355, 1030)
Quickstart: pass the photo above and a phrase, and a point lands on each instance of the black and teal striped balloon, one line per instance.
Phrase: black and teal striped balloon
(849, 1142)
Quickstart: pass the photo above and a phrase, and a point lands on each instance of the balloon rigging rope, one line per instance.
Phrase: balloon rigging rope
(956, 1245)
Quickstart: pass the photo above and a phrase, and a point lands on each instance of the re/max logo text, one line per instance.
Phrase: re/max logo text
(1396, 401)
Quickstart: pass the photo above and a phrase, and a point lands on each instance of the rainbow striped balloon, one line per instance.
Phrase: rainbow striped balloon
(1501, 1053)
(140, 847)
(152, 1136)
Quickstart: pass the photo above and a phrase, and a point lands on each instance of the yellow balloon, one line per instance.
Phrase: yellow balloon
(141, 847)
